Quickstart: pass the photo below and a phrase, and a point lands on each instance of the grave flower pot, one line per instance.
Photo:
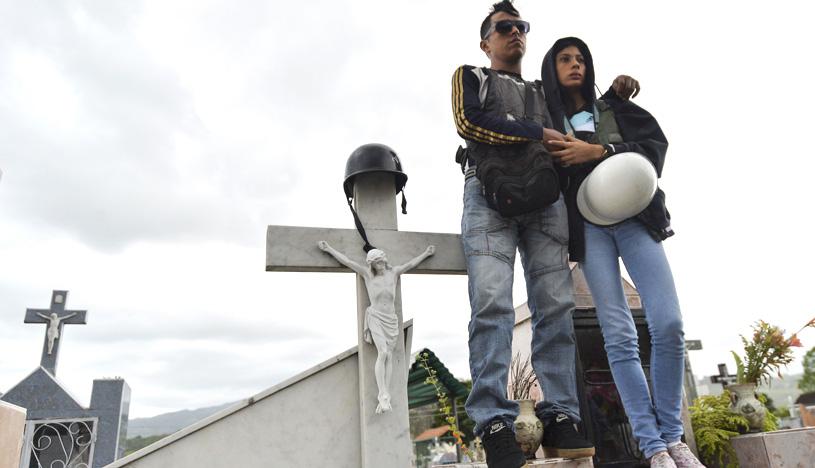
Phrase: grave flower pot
(528, 428)
(744, 402)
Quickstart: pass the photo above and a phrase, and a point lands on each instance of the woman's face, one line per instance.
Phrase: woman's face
(571, 68)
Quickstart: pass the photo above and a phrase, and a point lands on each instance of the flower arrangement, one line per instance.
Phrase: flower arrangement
(445, 407)
(766, 353)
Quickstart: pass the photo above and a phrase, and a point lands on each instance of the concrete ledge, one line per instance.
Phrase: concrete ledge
(226, 412)
(548, 463)
(12, 427)
(778, 449)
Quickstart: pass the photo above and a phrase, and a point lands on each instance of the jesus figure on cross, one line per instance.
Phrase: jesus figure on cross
(381, 327)
(53, 328)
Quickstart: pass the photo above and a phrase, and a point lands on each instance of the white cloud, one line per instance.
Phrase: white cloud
(146, 146)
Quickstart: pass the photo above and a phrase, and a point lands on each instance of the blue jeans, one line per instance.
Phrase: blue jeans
(655, 419)
(490, 242)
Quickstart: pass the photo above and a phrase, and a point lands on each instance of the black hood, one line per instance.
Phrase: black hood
(555, 94)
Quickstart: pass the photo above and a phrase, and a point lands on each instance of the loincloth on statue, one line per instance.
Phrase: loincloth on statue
(380, 327)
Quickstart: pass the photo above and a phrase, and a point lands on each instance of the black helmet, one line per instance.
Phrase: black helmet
(373, 157)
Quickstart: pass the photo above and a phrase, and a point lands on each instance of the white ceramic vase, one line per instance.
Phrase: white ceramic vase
(528, 428)
(743, 401)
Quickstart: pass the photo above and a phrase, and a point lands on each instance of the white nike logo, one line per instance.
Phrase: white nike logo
(496, 427)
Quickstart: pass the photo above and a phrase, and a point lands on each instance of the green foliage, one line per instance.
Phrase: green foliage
(445, 405)
(465, 425)
(139, 442)
(771, 421)
(714, 425)
(739, 366)
(782, 412)
(807, 382)
(766, 352)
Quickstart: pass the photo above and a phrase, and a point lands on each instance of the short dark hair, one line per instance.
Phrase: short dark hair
(505, 6)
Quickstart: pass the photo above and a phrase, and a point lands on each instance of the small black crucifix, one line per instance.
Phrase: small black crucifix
(55, 317)
(723, 378)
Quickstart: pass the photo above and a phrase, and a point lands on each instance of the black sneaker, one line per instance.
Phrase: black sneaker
(501, 447)
(561, 440)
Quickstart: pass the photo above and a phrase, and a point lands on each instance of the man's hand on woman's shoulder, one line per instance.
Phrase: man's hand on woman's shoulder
(626, 87)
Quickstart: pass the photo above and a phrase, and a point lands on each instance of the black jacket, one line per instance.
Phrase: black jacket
(640, 133)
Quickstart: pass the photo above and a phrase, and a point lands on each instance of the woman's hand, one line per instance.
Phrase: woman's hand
(574, 151)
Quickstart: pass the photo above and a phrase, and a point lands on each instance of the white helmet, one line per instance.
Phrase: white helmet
(617, 189)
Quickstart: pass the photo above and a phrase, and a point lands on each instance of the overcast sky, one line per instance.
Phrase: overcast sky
(145, 147)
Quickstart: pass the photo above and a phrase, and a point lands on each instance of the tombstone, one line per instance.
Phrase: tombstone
(59, 431)
(776, 449)
(724, 378)
(12, 425)
(294, 424)
(604, 420)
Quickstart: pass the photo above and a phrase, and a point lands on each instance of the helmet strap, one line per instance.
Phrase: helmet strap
(367, 247)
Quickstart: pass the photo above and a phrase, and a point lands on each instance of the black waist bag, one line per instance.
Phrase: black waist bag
(516, 179)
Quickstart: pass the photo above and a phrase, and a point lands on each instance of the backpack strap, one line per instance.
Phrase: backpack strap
(529, 101)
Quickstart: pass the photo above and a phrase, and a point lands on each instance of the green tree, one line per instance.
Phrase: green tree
(807, 383)
(139, 442)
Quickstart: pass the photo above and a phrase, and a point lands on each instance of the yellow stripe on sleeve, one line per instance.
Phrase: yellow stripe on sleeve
(469, 130)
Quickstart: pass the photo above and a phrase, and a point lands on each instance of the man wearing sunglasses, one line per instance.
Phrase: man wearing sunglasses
(490, 108)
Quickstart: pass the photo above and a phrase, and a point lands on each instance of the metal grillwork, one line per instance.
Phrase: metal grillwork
(59, 444)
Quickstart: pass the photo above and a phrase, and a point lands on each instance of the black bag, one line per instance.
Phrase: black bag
(516, 179)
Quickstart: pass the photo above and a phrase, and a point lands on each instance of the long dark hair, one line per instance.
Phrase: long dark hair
(559, 100)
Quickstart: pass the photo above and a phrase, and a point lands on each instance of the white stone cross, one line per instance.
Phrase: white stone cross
(385, 437)
(56, 316)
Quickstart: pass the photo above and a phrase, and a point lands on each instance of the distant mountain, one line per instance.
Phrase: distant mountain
(167, 423)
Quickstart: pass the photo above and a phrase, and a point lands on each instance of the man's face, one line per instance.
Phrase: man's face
(506, 47)
(571, 68)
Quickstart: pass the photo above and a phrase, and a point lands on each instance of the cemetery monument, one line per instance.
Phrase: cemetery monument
(59, 431)
(326, 416)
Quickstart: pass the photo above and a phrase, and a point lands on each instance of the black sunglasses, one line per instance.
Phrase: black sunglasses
(505, 27)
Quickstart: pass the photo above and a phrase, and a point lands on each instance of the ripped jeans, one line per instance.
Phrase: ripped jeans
(490, 242)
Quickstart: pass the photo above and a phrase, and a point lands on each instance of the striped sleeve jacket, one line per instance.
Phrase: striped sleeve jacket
(475, 122)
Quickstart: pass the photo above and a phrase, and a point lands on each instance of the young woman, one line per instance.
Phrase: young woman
(597, 129)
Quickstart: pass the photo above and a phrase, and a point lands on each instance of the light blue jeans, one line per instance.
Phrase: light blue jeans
(490, 242)
(655, 418)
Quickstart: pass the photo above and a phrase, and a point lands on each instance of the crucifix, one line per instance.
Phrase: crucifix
(385, 436)
(723, 378)
(56, 316)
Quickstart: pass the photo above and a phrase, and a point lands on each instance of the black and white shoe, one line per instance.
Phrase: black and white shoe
(502, 449)
(561, 440)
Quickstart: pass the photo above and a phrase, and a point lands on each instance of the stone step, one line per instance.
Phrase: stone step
(785, 448)
(541, 462)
